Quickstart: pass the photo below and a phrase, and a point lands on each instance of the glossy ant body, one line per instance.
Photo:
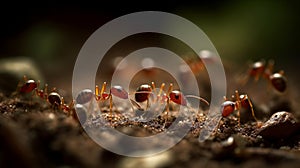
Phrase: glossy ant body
(241, 101)
(143, 92)
(87, 95)
(53, 97)
(261, 69)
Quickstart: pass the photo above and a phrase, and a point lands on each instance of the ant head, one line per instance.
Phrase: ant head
(177, 97)
(227, 108)
(119, 92)
(278, 81)
(142, 93)
(257, 68)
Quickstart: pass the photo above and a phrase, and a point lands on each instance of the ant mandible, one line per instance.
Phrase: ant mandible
(261, 69)
(143, 92)
(241, 101)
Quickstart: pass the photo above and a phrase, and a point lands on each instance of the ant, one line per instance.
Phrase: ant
(241, 101)
(227, 108)
(197, 65)
(87, 95)
(53, 97)
(142, 94)
(261, 69)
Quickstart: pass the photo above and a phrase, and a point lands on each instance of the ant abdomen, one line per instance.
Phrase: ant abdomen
(119, 91)
(84, 96)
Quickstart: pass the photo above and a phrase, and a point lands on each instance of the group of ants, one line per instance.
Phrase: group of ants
(257, 70)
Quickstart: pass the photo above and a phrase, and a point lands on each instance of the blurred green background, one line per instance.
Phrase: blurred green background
(53, 34)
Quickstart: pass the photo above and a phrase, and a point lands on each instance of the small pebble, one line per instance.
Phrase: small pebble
(12, 71)
(280, 125)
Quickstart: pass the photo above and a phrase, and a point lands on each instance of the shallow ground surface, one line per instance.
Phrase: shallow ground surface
(33, 134)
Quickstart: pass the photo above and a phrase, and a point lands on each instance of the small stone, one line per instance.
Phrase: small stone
(280, 125)
(12, 71)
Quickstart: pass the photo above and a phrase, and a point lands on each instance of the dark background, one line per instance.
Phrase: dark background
(53, 33)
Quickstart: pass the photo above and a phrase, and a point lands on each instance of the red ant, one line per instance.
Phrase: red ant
(227, 108)
(197, 65)
(241, 101)
(142, 94)
(260, 69)
(87, 95)
(53, 98)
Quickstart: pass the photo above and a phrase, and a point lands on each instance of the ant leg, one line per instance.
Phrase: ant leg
(159, 96)
(170, 89)
(136, 104)
(148, 104)
(153, 87)
(238, 106)
(239, 117)
(252, 111)
(237, 95)
(62, 104)
(168, 104)
(103, 88)
(97, 95)
(46, 91)
(269, 69)
(110, 104)
(160, 91)
(168, 100)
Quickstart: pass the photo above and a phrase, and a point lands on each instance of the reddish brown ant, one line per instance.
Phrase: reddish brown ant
(114, 90)
(143, 92)
(241, 101)
(261, 69)
(53, 98)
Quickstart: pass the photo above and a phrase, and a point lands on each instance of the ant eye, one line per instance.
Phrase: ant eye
(178, 98)
(119, 92)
